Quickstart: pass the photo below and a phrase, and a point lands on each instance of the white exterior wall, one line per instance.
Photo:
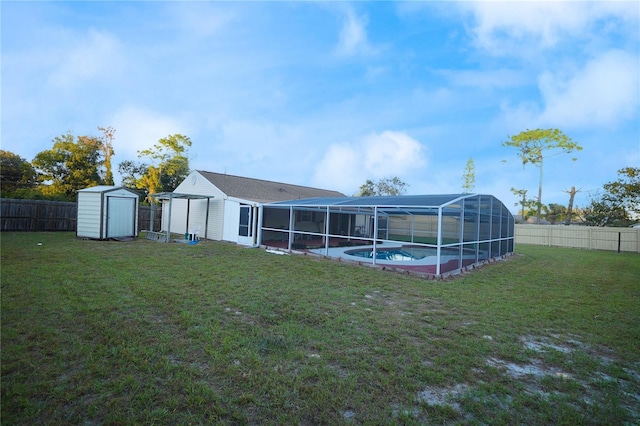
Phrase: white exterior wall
(216, 219)
(89, 219)
(197, 217)
(232, 215)
(224, 212)
(197, 208)
(231, 231)
(178, 216)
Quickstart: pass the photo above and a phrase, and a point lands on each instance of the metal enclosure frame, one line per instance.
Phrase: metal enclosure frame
(464, 229)
(170, 196)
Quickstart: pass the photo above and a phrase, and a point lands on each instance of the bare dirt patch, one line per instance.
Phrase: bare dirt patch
(434, 395)
(533, 369)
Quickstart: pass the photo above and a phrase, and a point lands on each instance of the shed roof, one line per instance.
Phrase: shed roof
(264, 191)
(105, 188)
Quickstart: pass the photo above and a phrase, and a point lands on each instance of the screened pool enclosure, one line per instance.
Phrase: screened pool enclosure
(435, 234)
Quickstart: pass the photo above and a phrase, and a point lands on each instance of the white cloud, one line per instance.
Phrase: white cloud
(97, 56)
(139, 128)
(514, 118)
(353, 35)
(260, 148)
(501, 23)
(604, 92)
(346, 166)
(339, 169)
(261, 142)
(391, 152)
(517, 28)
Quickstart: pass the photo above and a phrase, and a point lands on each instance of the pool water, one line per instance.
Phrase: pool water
(399, 254)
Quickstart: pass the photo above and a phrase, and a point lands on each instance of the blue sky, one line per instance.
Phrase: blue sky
(330, 94)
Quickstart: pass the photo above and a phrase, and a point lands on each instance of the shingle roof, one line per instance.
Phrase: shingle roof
(263, 191)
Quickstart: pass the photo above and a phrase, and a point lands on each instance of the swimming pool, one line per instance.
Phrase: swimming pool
(409, 257)
(395, 254)
(398, 254)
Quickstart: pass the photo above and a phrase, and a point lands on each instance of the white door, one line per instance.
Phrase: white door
(120, 217)
(245, 229)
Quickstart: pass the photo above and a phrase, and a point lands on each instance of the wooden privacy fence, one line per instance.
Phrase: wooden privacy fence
(584, 237)
(44, 215)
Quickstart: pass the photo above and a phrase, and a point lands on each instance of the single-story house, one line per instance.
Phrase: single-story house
(234, 203)
(433, 234)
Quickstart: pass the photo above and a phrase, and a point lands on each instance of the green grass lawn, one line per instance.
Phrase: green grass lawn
(144, 332)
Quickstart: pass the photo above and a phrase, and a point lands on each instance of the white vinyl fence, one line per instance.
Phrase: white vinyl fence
(585, 237)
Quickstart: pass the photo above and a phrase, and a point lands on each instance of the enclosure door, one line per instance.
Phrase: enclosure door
(245, 225)
(248, 225)
(120, 217)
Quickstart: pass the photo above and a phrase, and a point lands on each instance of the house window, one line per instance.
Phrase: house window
(244, 230)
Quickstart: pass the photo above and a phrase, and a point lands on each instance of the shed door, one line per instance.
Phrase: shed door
(120, 217)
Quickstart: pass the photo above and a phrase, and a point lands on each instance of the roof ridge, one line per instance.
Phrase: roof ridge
(267, 181)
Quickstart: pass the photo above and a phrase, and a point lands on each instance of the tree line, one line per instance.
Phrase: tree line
(79, 162)
(75, 163)
(617, 205)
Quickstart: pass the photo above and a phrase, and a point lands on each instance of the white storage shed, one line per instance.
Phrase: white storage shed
(107, 212)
